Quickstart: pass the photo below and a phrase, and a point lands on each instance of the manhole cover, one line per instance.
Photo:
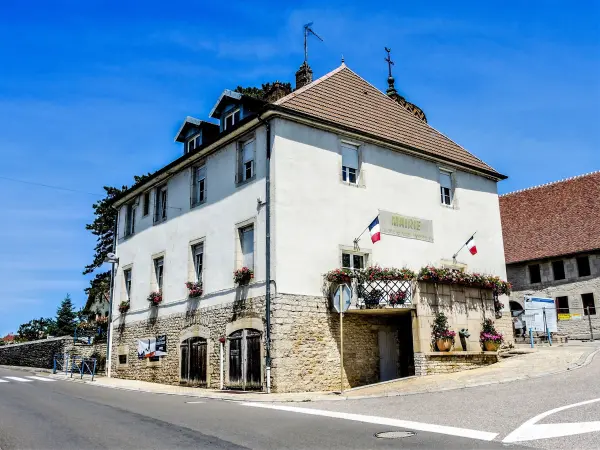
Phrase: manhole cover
(394, 434)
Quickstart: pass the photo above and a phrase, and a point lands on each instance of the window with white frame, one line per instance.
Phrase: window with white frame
(193, 143)
(247, 150)
(446, 187)
(198, 258)
(355, 261)
(231, 119)
(130, 219)
(160, 204)
(159, 271)
(350, 171)
(198, 185)
(246, 236)
(127, 281)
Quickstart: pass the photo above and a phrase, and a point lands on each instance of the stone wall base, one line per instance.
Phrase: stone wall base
(429, 363)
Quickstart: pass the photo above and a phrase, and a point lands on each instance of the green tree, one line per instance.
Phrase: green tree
(66, 318)
(36, 329)
(261, 92)
(103, 227)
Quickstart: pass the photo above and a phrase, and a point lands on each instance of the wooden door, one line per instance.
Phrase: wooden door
(388, 355)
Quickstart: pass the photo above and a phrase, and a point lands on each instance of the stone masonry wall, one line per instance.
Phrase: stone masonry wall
(306, 345)
(572, 287)
(429, 363)
(212, 319)
(40, 354)
(465, 307)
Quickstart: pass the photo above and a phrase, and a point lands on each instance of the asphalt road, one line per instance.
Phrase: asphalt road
(502, 408)
(39, 414)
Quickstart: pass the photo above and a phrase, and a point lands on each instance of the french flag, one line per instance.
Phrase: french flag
(374, 230)
(471, 246)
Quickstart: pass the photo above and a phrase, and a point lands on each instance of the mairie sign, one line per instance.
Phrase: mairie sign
(405, 226)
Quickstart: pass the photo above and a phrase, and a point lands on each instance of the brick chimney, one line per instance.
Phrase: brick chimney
(304, 75)
(278, 90)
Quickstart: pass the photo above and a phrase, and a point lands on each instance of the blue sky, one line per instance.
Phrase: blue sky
(93, 92)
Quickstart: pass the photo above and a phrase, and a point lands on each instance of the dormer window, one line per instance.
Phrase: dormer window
(231, 119)
(193, 143)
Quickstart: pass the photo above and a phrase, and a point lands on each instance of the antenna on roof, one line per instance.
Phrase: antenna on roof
(308, 30)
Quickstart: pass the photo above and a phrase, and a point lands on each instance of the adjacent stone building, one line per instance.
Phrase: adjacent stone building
(284, 188)
(552, 247)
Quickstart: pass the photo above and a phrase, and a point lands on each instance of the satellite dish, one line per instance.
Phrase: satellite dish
(111, 255)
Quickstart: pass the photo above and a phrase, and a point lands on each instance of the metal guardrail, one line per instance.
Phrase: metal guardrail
(382, 293)
(70, 364)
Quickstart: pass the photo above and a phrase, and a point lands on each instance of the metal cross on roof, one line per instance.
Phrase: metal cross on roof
(389, 60)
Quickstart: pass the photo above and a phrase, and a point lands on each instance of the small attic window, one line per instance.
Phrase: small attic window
(193, 143)
(231, 119)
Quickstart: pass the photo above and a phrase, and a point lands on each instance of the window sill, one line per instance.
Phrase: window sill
(352, 185)
(196, 205)
(443, 205)
(242, 183)
(159, 221)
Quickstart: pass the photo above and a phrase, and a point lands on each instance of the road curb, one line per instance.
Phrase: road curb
(26, 369)
(584, 360)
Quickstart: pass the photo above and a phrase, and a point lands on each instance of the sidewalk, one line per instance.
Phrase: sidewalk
(526, 364)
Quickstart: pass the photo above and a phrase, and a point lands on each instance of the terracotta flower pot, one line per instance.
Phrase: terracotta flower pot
(491, 346)
(444, 345)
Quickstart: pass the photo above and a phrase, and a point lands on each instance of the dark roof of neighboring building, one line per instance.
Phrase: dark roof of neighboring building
(560, 218)
(191, 122)
(345, 98)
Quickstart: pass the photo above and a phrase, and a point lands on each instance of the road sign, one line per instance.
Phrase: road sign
(344, 292)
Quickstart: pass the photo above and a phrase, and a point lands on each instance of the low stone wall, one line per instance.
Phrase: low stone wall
(41, 353)
(429, 363)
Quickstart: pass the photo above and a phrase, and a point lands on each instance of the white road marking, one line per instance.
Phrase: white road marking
(529, 431)
(39, 378)
(19, 379)
(432, 428)
(3, 381)
(193, 403)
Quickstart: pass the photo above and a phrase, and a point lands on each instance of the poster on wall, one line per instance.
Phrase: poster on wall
(151, 347)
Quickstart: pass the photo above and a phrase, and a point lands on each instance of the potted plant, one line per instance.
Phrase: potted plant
(124, 307)
(490, 339)
(464, 335)
(194, 289)
(243, 276)
(398, 298)
(442, 337)
(155, 298)
(373, 298)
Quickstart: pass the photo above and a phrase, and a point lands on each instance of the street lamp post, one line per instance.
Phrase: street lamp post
(113, 261)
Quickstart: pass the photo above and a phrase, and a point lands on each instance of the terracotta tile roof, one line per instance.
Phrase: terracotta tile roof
(346, 99)
(554, 219)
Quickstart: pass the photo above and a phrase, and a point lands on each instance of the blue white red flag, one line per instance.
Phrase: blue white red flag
(374, 230)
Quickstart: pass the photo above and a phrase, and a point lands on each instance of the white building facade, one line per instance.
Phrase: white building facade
(205, 216)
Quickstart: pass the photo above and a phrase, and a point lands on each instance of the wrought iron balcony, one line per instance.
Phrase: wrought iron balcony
(372, 294)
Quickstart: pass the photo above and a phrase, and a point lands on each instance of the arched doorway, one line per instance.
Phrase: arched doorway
(245, 359)
(193, 353)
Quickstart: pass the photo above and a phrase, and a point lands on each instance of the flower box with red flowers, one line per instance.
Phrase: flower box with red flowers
(194, 289)
(155, 298)
(124, 307)
(243, 276)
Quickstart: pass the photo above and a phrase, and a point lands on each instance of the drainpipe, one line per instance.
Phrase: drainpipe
(268, 255)
(110, 301)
